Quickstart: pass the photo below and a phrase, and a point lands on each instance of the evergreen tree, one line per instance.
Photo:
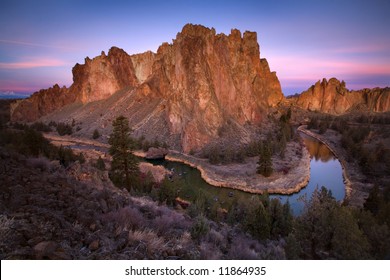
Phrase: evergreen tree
(168, 192)
(265, 162)
(100, 164)
(327, 230)
(258, 222)
(124, 166)
(96, 134)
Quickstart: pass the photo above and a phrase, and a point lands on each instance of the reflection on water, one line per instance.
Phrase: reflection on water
(191, 185)
(325, 170)
(317, 150)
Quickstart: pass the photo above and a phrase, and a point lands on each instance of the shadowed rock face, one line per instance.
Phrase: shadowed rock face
(41, 103)
(202, 80)
(333, 97)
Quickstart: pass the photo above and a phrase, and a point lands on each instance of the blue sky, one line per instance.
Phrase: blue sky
(303, 41)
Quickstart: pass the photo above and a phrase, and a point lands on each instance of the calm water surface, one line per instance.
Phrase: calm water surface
(325, 170)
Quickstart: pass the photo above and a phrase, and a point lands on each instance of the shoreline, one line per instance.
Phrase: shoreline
(292, 182)
(353, 194)
(231, 176)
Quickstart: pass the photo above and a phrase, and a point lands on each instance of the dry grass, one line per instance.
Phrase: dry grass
(126, 218)
(149, 238)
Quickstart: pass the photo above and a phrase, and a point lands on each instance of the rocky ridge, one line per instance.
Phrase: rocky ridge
(334, 98)
(190, 89)
(188, 93)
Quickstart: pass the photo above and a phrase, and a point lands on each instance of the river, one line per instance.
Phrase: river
(325, 170)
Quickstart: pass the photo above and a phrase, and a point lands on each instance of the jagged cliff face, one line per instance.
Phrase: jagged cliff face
(104, 75)
(41, 103)
(97, 79)
(200, 82)
(143, 65)
(334, 98)
(210, 79)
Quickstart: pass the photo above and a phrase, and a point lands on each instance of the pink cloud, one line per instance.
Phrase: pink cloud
(313, 68)
(36, 63)
(26, 85)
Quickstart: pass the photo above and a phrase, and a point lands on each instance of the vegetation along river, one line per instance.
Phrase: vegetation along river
(325, 170)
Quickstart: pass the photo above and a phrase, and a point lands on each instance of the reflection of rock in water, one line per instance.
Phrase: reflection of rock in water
(318, 150)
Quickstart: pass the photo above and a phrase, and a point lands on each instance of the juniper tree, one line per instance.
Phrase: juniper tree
(124, 166)
(96, 134)
(265, 162)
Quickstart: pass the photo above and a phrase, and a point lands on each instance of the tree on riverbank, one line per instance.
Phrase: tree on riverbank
(124, 167)
(265, 161)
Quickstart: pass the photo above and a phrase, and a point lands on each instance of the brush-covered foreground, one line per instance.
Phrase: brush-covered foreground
(52, 206)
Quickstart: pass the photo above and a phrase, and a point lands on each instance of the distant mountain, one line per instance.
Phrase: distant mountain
(334, 98)
(11, 95)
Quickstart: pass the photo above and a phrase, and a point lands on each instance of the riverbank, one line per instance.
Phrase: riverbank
(291, 173)
(356, 187)
(244, 177)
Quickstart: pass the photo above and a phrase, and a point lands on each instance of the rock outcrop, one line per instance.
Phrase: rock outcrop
(192, 87)
(334, 98)
(104, 75)
(41, 103)
(97, 79)
(209, 79)
(143, 65)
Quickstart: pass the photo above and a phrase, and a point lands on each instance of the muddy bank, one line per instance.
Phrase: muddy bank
(356, 189)
(243, 176)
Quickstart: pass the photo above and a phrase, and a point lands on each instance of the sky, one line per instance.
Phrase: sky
(303, 41)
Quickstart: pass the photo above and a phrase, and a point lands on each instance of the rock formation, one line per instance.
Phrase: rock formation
(143, 65)
(334, 98)
(95, 80)
(104, 75)
(41, 103)
(191, 88)
(209, 79)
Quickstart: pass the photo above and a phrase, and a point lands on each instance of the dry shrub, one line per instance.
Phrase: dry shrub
(215, 237)
(243, 248)
(169, 222)
(153, 242)
(185, 239)
(209, 251)
(39, 163)
(125, 218)
(273, 251)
